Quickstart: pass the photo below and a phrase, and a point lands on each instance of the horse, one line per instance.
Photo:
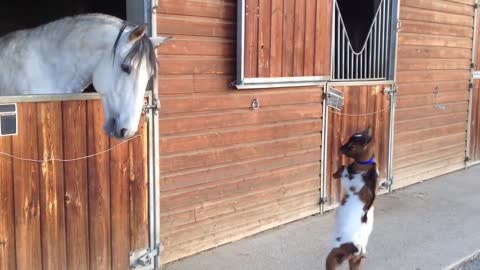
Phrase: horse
(67, 55)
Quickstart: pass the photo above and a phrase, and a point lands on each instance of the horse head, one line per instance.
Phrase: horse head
(121, 78)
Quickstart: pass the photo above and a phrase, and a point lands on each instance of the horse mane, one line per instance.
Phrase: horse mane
(141, 47)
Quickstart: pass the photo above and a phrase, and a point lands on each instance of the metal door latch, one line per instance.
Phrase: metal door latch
(143, 259)
(334, 98)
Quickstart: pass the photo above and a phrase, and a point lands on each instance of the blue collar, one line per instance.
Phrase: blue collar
(368, 162)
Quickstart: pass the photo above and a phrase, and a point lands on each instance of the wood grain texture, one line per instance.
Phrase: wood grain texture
(221, 160)
(299, 37)
(98, 190)
(285, 38)
(264, 35)
(76, 184)
(120, 205)
(52, 204)
(7, 210)
(138, 163)
(72, 214)
(26, 177)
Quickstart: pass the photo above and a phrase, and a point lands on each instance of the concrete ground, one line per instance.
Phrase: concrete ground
(432, 225)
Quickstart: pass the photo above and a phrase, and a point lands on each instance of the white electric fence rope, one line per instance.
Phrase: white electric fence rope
(68, 160)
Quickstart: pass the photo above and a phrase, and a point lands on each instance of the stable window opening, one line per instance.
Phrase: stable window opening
(363, 42)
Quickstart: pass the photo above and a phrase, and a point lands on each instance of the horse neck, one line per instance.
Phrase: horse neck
(78, 55)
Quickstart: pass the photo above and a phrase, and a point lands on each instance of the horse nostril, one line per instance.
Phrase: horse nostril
(123, 132)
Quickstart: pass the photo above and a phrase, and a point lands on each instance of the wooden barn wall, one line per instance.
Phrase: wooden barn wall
(434, 55)
(227, 171)
(85, 214)
(285, 38)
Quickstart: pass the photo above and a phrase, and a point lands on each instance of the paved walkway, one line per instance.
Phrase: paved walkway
(431, 225)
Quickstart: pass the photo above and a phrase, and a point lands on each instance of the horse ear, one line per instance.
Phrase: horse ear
(137, 33)
(156, 41)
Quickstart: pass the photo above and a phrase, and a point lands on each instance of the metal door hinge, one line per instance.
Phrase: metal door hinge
(143, 259)
(386, 184)
(323, 200)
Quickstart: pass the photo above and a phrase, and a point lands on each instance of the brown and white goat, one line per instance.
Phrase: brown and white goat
(354, 217)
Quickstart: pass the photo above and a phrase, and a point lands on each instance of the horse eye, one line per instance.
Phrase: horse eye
(126, 68)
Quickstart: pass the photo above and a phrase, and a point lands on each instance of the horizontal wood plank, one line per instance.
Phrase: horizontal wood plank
(425, 15)
(189, 198)
(418, 27)
(440, 5)
(431, 98)
(180, 65)
(434, 121)
(432, 75)
(194, 83)
(416, 51)
(238, 118)
(209, 8)
(197, 177)
(434, 40)
(405, 64)
(237, 153)
(236, 100)
(405, 149)
(224, 137)
(409, 88)
(194, 45)
(195, 26)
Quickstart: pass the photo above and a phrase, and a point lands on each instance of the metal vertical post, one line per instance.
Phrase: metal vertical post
(471, 89)
(154, 155)
(324, 151)
(393, 98)
(241, 42)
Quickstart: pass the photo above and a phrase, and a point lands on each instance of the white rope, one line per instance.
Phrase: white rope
(68, 160)
(362, 114)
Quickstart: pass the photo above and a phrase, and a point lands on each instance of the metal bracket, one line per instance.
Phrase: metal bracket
(334, 98)
(143, 259)
(386, 184)
(323, 200)
(390, 90)
(153, 107)
(8, 119)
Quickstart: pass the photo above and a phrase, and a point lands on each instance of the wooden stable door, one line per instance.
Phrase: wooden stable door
(364, 106)
(84, 214)
(474, 151)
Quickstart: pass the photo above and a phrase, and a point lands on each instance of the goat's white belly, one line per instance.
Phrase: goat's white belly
(349, 227)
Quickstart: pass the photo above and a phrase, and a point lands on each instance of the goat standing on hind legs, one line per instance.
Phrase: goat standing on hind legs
(354, 218)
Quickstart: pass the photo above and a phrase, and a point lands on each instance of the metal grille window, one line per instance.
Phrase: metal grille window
(363, 45)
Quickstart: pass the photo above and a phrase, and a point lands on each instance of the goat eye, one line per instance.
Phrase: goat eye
(126, 68)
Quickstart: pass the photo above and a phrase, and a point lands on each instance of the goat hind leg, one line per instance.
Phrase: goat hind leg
(354, 262)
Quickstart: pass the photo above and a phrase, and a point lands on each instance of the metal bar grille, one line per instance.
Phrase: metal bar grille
(372, 61)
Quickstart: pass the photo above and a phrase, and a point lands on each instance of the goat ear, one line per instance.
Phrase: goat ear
(156, 41)
(137, 33)
(367, 133)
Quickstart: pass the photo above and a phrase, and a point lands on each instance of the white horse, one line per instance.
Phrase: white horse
(67, 55)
